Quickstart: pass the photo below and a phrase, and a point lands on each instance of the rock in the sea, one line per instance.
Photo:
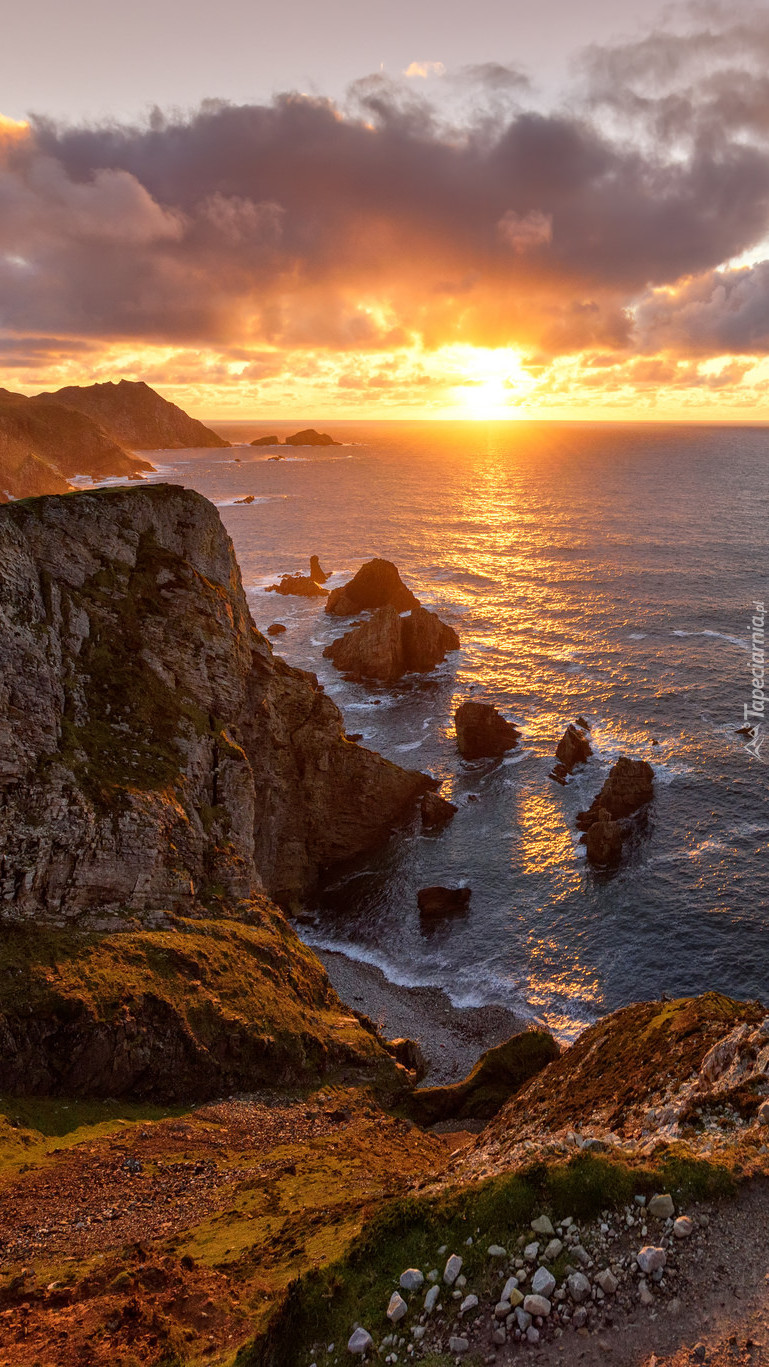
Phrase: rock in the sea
(270, 440)
(439, 901)
(388, 646)
(249, 498)
(316, 572)
(360, 1341)
(436, 810)
(377, 584)
(573, 747)
(152, 746)
(309, 437)
(498, 1074)
(298, 586)
(276, 629)
(628, 787)
(482, 731)
(603, 840)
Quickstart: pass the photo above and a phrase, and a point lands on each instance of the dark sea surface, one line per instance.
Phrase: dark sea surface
(607, 570)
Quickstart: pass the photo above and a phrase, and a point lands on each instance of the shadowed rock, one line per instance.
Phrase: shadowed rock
(376, 585)
(276, 629)
(629, 786)
(497, 1076)
(137, 416)
(603, 840)
(265, 441)
(297, 586)
(438, 901)
(573, 747)
(388, 646)
(436, 810)
(408, 1053)
(482, 731)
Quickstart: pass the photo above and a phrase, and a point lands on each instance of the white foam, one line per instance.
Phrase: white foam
(637, 636)
(718, 635)
(411, 745)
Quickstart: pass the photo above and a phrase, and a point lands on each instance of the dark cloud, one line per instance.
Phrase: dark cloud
(298, 224)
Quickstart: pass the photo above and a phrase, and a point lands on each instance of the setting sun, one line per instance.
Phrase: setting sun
(494, 383)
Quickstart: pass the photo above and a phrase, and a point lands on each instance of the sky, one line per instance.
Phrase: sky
(422, 210)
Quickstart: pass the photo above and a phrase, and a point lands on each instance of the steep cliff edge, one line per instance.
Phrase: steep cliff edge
(136, 415)
(154, 753)
(44, 444)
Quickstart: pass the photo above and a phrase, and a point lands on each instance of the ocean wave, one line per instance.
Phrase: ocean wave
(409, 745)
(718, 635)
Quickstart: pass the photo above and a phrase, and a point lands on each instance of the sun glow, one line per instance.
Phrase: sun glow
(495, 382)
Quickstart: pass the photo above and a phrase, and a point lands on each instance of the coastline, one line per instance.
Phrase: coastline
(452, 1038)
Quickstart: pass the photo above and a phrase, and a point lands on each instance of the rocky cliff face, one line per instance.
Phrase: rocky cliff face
(43, 445)
(154, 753)
(136, 415)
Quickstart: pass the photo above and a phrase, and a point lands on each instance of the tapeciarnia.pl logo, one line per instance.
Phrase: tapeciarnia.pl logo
(756, 708)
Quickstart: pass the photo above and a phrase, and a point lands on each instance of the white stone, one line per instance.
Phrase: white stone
(682, 1227)
(531, 1252)
(523, 1319)
(412, 1279)
(397, 1308)
(431, 1298)
(452, 1269)
(502, 1309)
(579, 1287)
(458, 1345)
(553, 1251)
(418, 1332)
(661, 1206)
(532, 1334)
(510, 1285)
(651, 1259)
(433, 1275)
(543, 1282)
(469, 1303)
(542, 1225)
(360, 1342)
(497, 1251)
(537, 1305)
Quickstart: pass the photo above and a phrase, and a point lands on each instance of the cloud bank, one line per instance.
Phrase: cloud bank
(607, 226)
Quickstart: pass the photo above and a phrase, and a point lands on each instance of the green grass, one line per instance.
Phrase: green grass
(408, 1233)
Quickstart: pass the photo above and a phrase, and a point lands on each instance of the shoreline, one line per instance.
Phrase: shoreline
(452, 1038)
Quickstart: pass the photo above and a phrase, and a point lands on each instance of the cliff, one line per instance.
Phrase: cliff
(44, 444)
(154, 753)
(136, 415)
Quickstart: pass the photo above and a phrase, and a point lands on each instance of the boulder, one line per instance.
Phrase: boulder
(397, 1308)
(573, 747)
(497, 1075)
(298, 586)
(388, 646)
(360, 1341)
(436, 810)
(661, 1206)
(603, 840)
(272, 440)
(651, 1259)
(316, 572)
(438, 901)
(309, 437)
(377, 584)
(629, 786)
(482, 730)
(276, 629)
(409, 1054)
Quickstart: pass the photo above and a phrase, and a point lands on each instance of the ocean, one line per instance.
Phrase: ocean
(596, 569)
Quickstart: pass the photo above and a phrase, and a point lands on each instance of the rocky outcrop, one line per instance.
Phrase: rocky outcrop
(388, 646)
(498, 1075)
(483, 731)
(628, 787)
(192, 1010)
(136, 415)
(297, 586)
(153, 750)
(276, 629)
(271, 440)
(376, 585)
(573, 748)
(439, 901)
(316, 572)
(309, 437)
(603, 840)
(43, 445)
(436, 810)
